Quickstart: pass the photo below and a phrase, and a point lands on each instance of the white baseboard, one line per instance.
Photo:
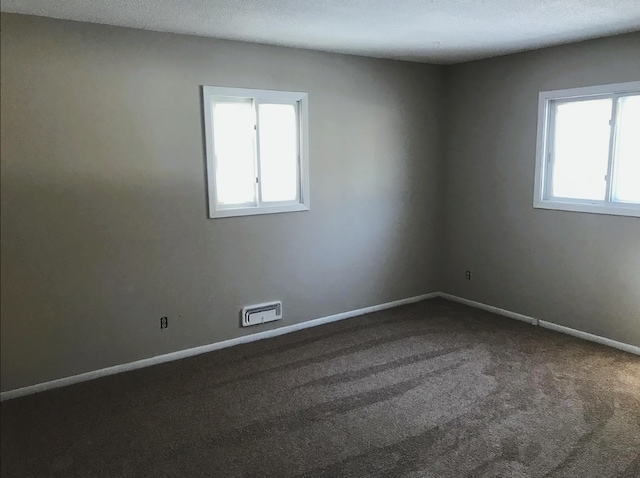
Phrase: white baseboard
(83, 377)
(591, 337)
(543, 323)
(489, 308)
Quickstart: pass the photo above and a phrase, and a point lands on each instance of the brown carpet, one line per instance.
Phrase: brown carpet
(433, 389)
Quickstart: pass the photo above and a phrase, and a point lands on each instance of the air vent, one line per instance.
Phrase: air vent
(261, 313)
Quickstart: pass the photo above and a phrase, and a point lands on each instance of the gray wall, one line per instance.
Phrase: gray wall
(104, 220)
(575, 269)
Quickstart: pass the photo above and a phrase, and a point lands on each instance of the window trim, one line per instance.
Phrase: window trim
(545, 136)
(301, 100)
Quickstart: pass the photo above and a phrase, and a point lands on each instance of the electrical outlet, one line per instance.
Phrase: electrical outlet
(467, 275)
(164, 322)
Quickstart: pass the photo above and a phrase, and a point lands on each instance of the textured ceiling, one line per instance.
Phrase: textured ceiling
(436, 31)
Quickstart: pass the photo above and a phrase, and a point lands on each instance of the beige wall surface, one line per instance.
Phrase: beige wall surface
(579, 270)
(104, 219)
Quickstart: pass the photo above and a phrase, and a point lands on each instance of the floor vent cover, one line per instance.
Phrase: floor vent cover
(261, 313)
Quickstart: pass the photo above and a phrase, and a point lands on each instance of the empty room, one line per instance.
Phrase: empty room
(340, 238)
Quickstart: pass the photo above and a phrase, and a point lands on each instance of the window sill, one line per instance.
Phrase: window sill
(254, 211)
(631, 210)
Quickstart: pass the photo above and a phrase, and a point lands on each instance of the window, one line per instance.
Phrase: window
(588, 153)
(257, 151)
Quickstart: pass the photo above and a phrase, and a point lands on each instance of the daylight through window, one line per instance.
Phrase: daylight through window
(256, 151)
(589, 150)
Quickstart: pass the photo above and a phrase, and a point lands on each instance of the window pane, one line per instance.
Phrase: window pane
(278, 131)
(626, 186)
(581, 149)
(233, 138)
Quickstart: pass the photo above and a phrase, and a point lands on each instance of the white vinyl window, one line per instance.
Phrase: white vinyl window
(588, 152)
(257, 151)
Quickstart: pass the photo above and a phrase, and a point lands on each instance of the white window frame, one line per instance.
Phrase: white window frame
(301, 203)
(542, 189)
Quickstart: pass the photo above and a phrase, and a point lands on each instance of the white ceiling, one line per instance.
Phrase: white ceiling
(435, 31)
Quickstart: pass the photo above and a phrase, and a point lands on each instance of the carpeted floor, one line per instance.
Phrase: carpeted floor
(433, 389)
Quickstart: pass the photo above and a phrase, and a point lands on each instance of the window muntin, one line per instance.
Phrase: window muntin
(588, 156)
(257, 151)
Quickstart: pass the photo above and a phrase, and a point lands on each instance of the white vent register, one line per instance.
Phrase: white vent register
(261, 313)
